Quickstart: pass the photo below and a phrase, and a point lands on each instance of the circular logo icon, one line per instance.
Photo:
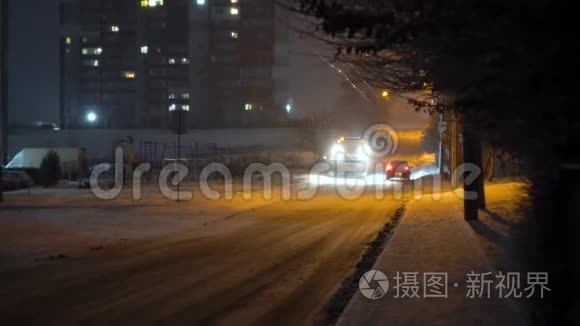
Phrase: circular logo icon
(381, 140)
(381, 284)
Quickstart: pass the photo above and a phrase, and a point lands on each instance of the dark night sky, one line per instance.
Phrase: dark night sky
(33, 60)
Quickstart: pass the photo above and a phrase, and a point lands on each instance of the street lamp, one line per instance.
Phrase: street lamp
(179, 118)
(385, 94)
(91, 117)
(289, 105)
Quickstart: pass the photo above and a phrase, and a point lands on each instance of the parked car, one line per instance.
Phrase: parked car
(14, 180)
(398, 169)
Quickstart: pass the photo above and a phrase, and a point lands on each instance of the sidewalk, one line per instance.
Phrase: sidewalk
(434, 237)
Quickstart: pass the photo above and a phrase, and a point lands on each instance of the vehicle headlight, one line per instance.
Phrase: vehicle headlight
(361, 154)
(336, 152)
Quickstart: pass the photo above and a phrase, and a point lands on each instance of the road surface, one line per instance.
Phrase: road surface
(253, 262)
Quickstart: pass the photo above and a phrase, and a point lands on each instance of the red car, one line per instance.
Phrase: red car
(398, 169)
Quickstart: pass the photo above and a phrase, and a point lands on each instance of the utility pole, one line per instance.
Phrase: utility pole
(441, 127)
(179, 131)
(179, 117)
(454, 149)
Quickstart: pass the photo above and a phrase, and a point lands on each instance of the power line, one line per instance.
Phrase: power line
(340, 71)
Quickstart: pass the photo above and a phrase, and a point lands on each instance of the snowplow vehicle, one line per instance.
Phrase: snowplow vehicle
(347, 156)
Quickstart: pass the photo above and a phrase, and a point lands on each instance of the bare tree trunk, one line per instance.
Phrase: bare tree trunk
(491, 160)
(472, 155)
(480, 180)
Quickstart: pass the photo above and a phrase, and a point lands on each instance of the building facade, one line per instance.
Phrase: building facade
(129, 63)
(239, 52)
(124, 63)
(3, 80)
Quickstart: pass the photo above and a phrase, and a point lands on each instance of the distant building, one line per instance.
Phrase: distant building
(235, 40)
(124, 63)
(128, 63)
(3, 80)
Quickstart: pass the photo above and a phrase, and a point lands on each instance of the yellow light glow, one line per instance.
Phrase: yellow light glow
(385, 94)
(151, 3)
(129, 74)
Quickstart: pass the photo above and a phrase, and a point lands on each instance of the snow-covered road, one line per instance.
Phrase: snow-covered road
(202, 261)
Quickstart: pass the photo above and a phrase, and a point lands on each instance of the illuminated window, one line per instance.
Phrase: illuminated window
(151, 3)
(171, 96)
(171, 61)
(129, 74)
(68, 40)
(91, 63)
(248, 107)
(184, 60)
(92, 51)
(185, 96)
(234, 1)
(145, 49)
(114, 28)
(200, 2)
(234, 35)
(173, 107)
(234, 11)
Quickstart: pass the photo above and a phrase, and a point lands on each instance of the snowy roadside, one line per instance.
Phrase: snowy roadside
(500, 225)
(65, 222)
(434, 238)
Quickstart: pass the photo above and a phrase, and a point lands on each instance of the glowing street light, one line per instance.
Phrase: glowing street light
(289, 106)
(91, 117)
(385, 94)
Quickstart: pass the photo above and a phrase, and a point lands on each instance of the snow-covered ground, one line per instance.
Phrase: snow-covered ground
(39, 224)
(68, 257)
(42, 223)
(434, 238)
